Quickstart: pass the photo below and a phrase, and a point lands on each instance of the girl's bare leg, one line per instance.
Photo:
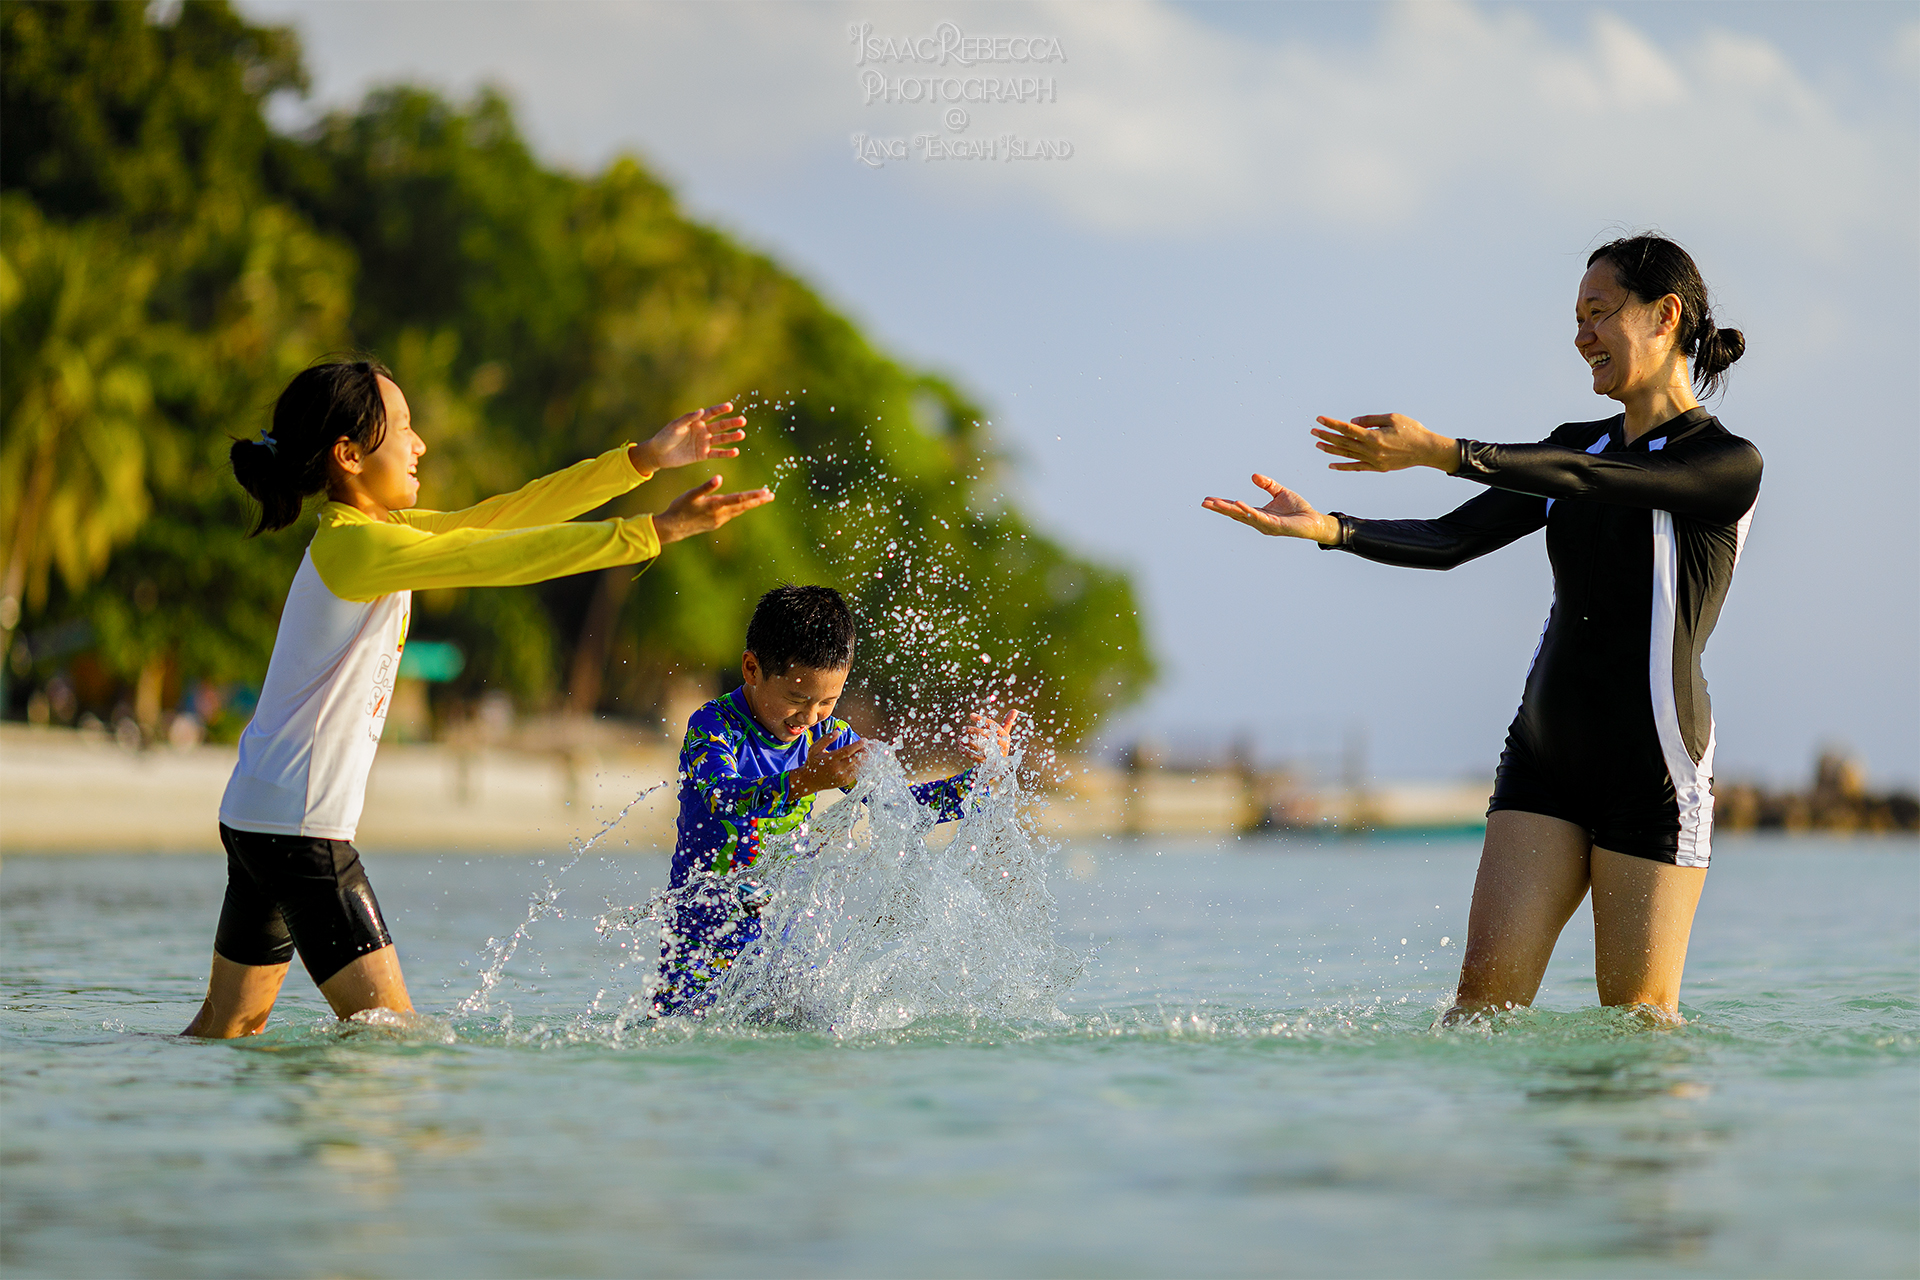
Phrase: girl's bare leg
(371, 982)
(1642, 919)
(239, 998)
(1533, 874)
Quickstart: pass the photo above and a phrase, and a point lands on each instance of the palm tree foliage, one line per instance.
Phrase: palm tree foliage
(169, 261)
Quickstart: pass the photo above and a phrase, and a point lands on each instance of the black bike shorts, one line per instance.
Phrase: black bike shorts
(304, 893)
(1625, 803)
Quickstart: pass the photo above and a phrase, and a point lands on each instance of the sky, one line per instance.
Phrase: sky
(1198, 225)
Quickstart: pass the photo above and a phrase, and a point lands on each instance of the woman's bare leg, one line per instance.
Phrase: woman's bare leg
(371, 982)
(239, 998)
(1642, 919)
(1533, 874)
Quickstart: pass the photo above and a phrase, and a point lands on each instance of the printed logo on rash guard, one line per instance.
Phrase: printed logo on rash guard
(381, 699)
(382, 696)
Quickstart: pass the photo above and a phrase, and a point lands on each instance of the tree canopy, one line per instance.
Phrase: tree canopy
(167, 262)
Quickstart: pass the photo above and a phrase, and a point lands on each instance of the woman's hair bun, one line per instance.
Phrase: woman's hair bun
(1721, 348)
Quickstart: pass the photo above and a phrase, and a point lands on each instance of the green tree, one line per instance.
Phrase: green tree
(155, 298)
(106, 113)
(533, 317)
(79, 417)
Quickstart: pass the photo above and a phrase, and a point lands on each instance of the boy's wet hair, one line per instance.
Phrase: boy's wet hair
(808, 625)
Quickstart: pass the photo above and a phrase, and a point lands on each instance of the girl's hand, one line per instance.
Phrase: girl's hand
(701, 510)
(1287, 516)
(1384, 442)
(689, 438)
(973, 742)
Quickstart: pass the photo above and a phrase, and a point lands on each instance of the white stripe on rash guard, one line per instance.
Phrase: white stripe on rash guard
(1598, 446)
(1692, 782)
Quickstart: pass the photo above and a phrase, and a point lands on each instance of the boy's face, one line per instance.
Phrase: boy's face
(789, 704)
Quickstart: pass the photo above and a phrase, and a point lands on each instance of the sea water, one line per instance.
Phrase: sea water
(1163, 1058)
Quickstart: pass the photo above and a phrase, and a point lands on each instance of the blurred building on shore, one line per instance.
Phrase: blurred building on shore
(1837, 800)
(496, 783)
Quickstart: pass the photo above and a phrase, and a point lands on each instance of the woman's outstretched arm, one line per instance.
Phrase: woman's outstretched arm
(1484, 523)
(1716, 478)
(1712, 477)
(1487, 523)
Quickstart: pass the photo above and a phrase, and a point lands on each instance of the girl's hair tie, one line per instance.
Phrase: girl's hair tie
(268, 441)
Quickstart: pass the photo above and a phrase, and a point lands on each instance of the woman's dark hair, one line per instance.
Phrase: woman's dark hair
(332, 400)
(808, 625)
(1650, 268)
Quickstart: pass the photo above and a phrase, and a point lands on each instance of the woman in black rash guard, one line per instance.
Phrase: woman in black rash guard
(1606, 779)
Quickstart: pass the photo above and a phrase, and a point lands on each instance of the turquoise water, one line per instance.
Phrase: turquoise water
(1241, 1082)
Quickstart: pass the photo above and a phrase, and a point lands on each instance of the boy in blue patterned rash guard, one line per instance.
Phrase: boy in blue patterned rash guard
(750, 767)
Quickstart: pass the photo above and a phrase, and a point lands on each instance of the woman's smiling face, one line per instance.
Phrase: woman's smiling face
(1626, 343)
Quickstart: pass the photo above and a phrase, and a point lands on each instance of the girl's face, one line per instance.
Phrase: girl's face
(1627, 344)
(390, 474)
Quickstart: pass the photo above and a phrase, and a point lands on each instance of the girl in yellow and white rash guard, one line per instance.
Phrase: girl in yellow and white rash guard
(294, 882)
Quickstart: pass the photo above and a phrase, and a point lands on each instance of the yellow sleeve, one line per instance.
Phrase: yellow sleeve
(361, 559)
(548, 500)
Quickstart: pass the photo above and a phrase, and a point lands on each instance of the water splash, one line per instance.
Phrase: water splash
(878, 926)
(542, 903)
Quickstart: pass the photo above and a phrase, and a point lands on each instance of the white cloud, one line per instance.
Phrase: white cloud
(1903, 54)
(1180, 127)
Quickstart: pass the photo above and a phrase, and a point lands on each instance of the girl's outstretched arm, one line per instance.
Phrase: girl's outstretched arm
(360, 558)
(690, 438)
(549, 500)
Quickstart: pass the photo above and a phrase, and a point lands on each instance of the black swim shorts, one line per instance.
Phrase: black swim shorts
(288, 893)
(1625, 801)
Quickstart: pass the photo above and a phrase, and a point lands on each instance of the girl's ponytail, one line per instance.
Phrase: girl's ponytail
(333, 400)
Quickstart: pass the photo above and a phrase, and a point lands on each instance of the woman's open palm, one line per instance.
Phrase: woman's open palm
(1288, 515)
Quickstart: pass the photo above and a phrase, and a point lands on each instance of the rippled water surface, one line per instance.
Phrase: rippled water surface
(1242, 1081)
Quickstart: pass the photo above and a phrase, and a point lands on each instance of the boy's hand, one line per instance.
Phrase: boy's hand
(689, 438)
(973, 744)
(701, 510)
(825, 769)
